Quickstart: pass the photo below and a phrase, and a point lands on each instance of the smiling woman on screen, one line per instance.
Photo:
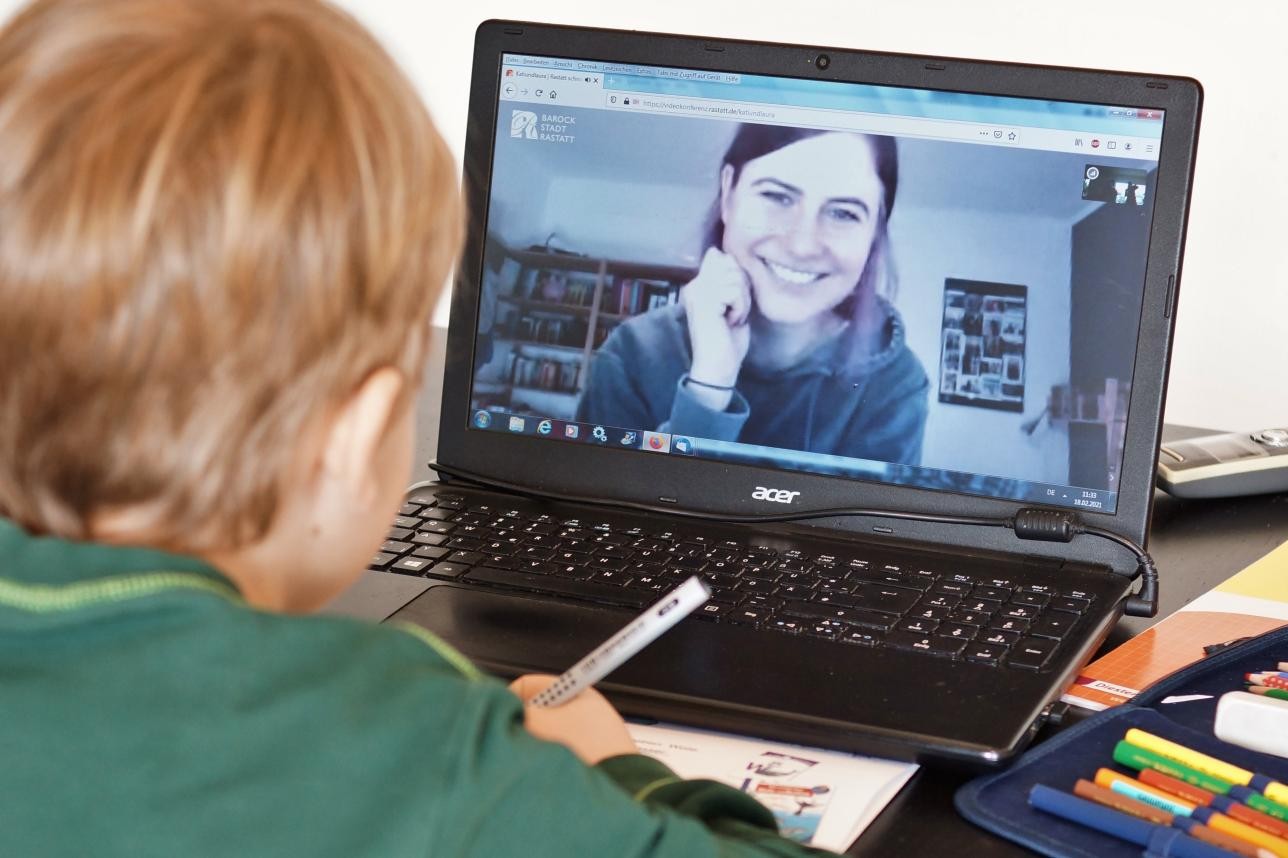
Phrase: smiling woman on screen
(787, 336)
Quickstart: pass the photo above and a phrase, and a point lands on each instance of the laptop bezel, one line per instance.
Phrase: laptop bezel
(720, 487)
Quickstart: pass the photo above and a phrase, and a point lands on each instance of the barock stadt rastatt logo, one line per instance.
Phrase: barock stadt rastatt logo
(550, 127)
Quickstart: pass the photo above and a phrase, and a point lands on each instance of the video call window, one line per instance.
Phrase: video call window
(873, 306)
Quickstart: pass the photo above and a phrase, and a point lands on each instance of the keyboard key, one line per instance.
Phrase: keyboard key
(1006, 624)
(771, 603)
(469, 558)
(399, 533)
(593, 591)
(395, 546)
(612, 576)
(438, 513)
(533, 552)
(689, 563)
(1068, 605)
(409, 508)
(430, 552)
(755, 586)
(953, 588)
(957, 631)
(984, 653)
(411, 565)
(1053, 625)
(929, 644)
(851, 616)
(1031, 653)
(999, 637)
(941, 600)
(918, 627)
(726, 595)
(381, 560)
(825, 629)
(969, 618)
(436, 527)
(1078, 594)
(979, 606)
(886, 598)
(1037, 600)
(791, 627)
(796, 592)
(996, 594)
(746, 617)
(713, 610)
(1018, 612)
(444, 569)
(930, 613)
(861, 637)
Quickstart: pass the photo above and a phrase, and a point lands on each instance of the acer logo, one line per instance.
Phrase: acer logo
(775, 495)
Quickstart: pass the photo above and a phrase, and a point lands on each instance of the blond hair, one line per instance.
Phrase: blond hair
(217, 218)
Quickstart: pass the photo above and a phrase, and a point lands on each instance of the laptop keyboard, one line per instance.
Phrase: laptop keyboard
(848, 599)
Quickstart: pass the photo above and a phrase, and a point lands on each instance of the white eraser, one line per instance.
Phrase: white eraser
(1254, 722)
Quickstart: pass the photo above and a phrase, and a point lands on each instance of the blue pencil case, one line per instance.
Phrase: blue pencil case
(999, 803)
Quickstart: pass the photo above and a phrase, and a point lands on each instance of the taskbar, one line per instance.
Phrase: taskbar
(735, 452)
(588, 433)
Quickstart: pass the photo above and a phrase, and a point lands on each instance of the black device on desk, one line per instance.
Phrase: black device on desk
(915, 633)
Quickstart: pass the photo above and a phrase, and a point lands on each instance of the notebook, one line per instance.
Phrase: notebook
(807, 322)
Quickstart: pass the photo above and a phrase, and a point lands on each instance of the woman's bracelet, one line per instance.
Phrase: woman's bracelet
(720, 387)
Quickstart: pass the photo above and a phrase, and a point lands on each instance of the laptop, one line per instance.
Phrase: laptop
(876, 344)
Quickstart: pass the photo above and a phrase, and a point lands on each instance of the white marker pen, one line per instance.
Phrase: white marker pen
(637, 634)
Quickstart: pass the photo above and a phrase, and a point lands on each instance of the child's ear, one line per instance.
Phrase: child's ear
(357, 430)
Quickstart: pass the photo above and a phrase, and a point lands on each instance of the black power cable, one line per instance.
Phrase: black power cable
(1029, 523)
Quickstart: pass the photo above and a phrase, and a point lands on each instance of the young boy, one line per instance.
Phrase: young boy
(223, 225)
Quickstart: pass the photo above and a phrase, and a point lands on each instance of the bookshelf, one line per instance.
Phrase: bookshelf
(552, 311)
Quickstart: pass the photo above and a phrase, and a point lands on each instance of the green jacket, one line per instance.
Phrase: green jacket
(145, 709)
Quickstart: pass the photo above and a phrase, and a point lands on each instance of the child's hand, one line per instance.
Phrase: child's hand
(588, 725)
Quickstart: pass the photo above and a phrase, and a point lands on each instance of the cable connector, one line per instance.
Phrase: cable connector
(1050, 525)
(1144, 603)
(1046, 525)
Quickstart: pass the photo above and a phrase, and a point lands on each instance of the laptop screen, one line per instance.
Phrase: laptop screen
(905, 286)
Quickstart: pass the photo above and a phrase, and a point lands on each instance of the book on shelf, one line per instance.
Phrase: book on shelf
(544, 373)
(1251, 603)
(551, 286)
(630, 296)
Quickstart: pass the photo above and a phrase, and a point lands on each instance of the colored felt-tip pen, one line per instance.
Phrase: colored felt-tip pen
(1223, 803)
(1272, 789)
(638, 633)
(1133, 757)
(1156, 839)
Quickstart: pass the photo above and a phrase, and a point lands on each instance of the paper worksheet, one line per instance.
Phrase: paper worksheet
(823, 798)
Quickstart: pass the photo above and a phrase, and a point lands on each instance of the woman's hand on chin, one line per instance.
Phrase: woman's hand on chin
(717, 304)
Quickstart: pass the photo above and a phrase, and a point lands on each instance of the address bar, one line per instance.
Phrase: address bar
(812, 117)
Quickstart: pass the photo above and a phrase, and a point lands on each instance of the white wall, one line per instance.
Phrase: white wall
(979, 440)
(1232, 335)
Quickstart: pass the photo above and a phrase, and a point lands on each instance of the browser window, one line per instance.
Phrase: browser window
(907, 286)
